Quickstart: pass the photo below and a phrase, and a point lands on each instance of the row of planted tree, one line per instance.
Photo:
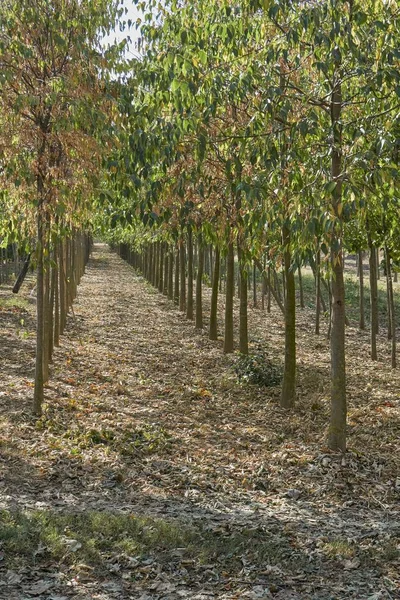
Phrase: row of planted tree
(179, 270)
(270, 129)
(59, 272)
(59, 268)
(56, 111)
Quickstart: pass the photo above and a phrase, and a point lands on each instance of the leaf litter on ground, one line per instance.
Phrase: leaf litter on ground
(155, 473)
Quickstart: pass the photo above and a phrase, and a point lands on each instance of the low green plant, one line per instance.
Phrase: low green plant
(258, 369)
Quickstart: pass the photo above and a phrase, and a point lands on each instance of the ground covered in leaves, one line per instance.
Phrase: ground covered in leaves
(158, 471)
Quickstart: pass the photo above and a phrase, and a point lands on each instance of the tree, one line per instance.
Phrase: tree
(54, 90)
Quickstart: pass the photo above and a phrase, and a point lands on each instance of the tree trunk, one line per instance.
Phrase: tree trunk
(177, 272)
(289, 374)
(46, 303)
(161, 268)
(254, 285)
(361, 282)
(57, 298)
(182, 295)
(214, 296)
(211, 263)
(243, 326)
(199, 282)
(374, 299)
(166, 267)
(171, 274)
(337, 427)
(189, 307)
(300, 286)
(51, 310)
(317, 290)
(392, 319)
(38, 391)
(62, 284)
(230, 276)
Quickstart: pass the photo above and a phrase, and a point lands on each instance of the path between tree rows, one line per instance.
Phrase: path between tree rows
(145, 418)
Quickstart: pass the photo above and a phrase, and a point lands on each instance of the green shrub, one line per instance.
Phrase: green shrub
(258, 369)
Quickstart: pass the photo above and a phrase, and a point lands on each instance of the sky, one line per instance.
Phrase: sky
(117, 36)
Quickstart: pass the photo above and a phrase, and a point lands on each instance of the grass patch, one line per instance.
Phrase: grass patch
(352, 289)
(94, 538)
(14, 302)
(146, 439)
(339, 548)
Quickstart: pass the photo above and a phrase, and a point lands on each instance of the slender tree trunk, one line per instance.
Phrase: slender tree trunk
(289, 374)
(269, 282)
(254, 285)
(243, 326)
(361, 282)
(337, 427)
(171, 274)
(177, 272)
(182, 295)
(300, 286)
(62, 284)
(374, 301)
(277, 287)
(388, 303)
(166, 267)
(161, 268)
(230, 276)
(156, 265)
(57, 297)
(378, 260)
(46, 302)
(391, 307)
(317, 290)
(211, 263)
(199, 282)
(51, 310)
(189, 307)
(38, 391)
(214, 296)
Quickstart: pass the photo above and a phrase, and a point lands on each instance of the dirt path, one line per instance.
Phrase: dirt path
(154, 474)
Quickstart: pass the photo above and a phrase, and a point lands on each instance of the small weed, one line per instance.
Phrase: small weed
(146, 440)
(339, 548)
(390, 551)
(258, 369)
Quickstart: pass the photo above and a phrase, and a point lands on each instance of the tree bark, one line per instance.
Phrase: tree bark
(57, 298)
(391, 308)
(374, 300)
(254, 285)
(317, 290)
(361, 283)
(189, 307)
(182, 263)
(301, 291)
(243, 326)
(337, 427)
(214, 296)
(38, 390)
(289, 374)
(199, 282)
(171, 274)
(230, 276)
(177, 272)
